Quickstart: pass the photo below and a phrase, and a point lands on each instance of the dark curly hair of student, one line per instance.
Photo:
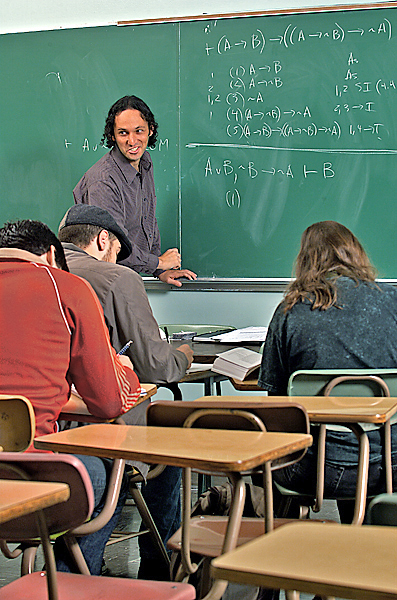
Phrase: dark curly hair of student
(33, 236)
(118, 107)
(328, 250)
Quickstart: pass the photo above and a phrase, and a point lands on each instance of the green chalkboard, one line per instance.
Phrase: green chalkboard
(267, 124)
(57, 87)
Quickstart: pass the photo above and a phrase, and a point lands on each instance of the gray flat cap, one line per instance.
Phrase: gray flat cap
(84, 214)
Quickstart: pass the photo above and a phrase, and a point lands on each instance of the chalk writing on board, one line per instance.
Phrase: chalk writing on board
(238, 113)
(293, 35)
(380, 87)
(87, 146)
(253, 170)
(287, 130)
(56, 74)
(230, 172)
(250, 98)
(290, 149)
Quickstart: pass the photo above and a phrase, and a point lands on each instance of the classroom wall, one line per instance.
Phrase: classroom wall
(25, 15)
(172, 306)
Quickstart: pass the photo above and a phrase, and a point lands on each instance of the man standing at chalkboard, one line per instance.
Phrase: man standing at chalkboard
(122, 183)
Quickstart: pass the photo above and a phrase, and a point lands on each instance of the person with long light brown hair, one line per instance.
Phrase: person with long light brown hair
(334, 315)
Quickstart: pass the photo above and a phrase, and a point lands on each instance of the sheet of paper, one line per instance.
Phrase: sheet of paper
(247, 334)
(196, 367)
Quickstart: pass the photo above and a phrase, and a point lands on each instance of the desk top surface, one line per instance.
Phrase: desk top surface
(77, 406)
(207, 449)
(324, 559)
(326, 409)
(18, 498)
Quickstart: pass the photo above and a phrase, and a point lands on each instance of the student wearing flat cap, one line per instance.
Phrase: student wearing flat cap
(93, 243)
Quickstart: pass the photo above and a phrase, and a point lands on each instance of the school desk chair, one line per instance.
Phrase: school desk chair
(208, 378)
(17, 423)
(17, 428)
(135, 480)
(339, 382)
(29, 550)
(382, 510)
(52, 520)
(204, 535)
(148, 525)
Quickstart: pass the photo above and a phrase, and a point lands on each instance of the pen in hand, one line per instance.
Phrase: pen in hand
(125, 348)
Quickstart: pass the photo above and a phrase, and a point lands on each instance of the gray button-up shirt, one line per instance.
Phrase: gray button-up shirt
(128, 195)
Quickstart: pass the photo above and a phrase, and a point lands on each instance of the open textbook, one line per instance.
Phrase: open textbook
(237, 362)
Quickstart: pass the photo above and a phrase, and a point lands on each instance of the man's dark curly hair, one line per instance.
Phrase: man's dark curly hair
(124, 104)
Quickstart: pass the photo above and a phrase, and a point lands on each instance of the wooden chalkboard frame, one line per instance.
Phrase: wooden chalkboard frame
(236, 284)
(262, 13)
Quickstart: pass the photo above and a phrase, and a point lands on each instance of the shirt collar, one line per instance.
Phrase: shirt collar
(69, 247)
(18, 254)
(126, 168)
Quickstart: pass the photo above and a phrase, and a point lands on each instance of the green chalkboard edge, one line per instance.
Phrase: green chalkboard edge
(223, 284)
(261, 13)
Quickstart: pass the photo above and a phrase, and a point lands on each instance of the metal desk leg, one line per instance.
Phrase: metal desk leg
(362, 473)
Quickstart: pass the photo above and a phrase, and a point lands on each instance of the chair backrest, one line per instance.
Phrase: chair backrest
(225, 414)
(64, 468)
(383, 510)
(352, 382)
(17, 423)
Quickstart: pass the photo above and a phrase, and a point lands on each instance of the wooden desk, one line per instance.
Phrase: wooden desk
(18, 498)
(76, 410)
(349, 411)
(327, 560)
(204, 449)
(246, 385)
(206, 352)
(213, 450)
(345, 409)
(332, 409)
(352, 411)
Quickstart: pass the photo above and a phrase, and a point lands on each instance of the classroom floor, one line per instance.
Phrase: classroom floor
(122, 558)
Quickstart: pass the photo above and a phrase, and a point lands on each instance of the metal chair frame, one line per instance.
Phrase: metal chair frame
(75, 510)
(232, 415)
(359, 382)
